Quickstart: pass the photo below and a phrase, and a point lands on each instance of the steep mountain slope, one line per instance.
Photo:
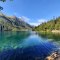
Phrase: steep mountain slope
(53, 24)
(13, 23)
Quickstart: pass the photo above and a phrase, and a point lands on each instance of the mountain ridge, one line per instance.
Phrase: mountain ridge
(13, 23)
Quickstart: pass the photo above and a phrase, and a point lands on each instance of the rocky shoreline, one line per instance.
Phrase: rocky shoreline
(54, 56)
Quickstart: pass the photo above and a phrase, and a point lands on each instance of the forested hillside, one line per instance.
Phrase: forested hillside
(53, 24)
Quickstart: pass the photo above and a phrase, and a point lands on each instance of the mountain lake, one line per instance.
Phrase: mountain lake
(26, 45)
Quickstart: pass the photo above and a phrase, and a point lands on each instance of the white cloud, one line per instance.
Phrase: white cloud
(38, 22)
(25, 19)
(41, 20)
(34, 24)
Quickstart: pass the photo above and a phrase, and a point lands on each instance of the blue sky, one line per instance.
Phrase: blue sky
(33, 11)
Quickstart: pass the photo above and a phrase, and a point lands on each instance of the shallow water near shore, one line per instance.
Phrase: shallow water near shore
(26, 45)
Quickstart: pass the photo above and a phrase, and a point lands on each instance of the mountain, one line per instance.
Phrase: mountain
(13, 23)
(53, 24)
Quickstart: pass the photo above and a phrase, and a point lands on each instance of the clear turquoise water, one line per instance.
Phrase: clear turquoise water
(26, 45)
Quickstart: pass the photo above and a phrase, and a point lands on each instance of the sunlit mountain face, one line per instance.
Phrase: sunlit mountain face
(13, 23)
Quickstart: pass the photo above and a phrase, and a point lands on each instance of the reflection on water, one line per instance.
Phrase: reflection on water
(51, 37)
(25, 46)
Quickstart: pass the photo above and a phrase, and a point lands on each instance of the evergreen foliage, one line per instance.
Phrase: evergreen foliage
(53, 24)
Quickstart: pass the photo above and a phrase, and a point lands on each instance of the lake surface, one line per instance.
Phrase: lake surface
(27, 45)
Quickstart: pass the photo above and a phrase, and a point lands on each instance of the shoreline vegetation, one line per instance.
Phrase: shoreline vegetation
(53, 31)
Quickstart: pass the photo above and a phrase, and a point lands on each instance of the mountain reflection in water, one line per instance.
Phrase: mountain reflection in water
(24, 46)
